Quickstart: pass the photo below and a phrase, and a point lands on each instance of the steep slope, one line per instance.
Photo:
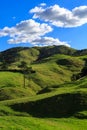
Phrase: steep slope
(52, 50)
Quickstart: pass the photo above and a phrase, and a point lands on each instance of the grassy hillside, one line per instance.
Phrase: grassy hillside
(67, 100)
(29, 123)
(52, 65)
(12, 86)
(49, 72)
(48, 93)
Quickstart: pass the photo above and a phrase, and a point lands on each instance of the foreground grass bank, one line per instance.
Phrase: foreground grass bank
(30, 123)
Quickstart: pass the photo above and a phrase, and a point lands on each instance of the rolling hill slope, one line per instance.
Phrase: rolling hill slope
(67, 100)
(49, 92)
(54, 67)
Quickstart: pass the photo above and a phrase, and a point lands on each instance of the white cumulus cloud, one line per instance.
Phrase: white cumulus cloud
(32, 32)
(25, 31)
(61, 17)
(49, 41)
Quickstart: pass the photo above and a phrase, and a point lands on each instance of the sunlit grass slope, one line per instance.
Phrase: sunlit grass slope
(48, 94)
(29, 123)
(49, 72)
(67, 100)
(12, 86)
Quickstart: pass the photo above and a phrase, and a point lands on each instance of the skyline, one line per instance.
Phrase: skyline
(43, 23)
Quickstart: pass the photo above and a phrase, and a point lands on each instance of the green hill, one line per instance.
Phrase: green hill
(54, 67)
(66, 100)
(49, 92)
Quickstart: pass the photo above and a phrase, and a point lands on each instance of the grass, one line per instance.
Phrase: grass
(61, 101)
(67, 100)
(30, 123)
(57, 103)
(9, 79)
(11, 86)
(49, 72)
(10, 82)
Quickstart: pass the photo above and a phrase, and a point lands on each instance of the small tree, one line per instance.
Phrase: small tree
(26, 71)
(23, 66)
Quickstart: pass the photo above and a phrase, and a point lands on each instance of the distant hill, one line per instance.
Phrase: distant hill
(52, 50)
(19, 54)
(37, 53)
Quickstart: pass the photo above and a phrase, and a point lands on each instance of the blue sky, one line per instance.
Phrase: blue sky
(43, 23)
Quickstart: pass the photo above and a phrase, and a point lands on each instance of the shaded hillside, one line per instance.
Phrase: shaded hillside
(31, 54)
(52, 50)
(13, 56)
(81, 52)
(64, 105)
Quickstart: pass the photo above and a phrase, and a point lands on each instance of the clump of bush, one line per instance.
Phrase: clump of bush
(79, 75)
